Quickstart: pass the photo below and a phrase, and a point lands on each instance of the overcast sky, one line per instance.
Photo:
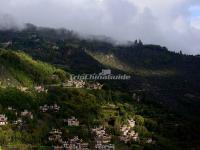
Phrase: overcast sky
(171, 23)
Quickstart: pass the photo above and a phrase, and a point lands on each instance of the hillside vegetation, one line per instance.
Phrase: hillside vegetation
(18, 68)
(162, 96)
(167, 75)
(92, 108)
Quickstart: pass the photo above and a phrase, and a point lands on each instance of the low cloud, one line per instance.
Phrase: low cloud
(171, 23)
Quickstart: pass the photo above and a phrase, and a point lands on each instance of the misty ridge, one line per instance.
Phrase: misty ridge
(8, 23)
(174, 24)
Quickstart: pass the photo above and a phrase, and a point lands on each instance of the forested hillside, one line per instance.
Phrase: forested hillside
(17, 68)
(158, 106)
(153, 68)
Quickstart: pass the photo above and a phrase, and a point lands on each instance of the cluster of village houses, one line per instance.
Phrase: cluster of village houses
(102, 139)
(68, 83)
(127, 132)
(83, 84)
(51, 108)
(27, 114)
(55, 136)
(21, 115)
(38, 89)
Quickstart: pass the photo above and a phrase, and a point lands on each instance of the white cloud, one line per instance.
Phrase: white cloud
(170, 23)
(196, 22)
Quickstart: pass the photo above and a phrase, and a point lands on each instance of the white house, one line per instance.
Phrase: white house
(55, 135)
(3, 119)
(131, 123)
(44, 108)
(26, 113)
(40, 89)
(105, 146)
(73, 122)
(18, 121)
(101, 137)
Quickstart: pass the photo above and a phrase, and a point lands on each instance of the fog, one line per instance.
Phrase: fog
(171, 23)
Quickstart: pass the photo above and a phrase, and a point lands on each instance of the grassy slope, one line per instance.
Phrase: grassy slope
(19, 68)
(112, 61)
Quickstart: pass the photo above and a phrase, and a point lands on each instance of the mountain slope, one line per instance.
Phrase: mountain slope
(163, 94)
(113, 61)
(17, 68)
(166, 75)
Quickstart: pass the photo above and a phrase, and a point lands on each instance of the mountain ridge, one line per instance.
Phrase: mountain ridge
(164, 105)
(152, 67)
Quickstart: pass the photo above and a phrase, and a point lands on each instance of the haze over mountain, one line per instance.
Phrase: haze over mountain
(173, 23)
